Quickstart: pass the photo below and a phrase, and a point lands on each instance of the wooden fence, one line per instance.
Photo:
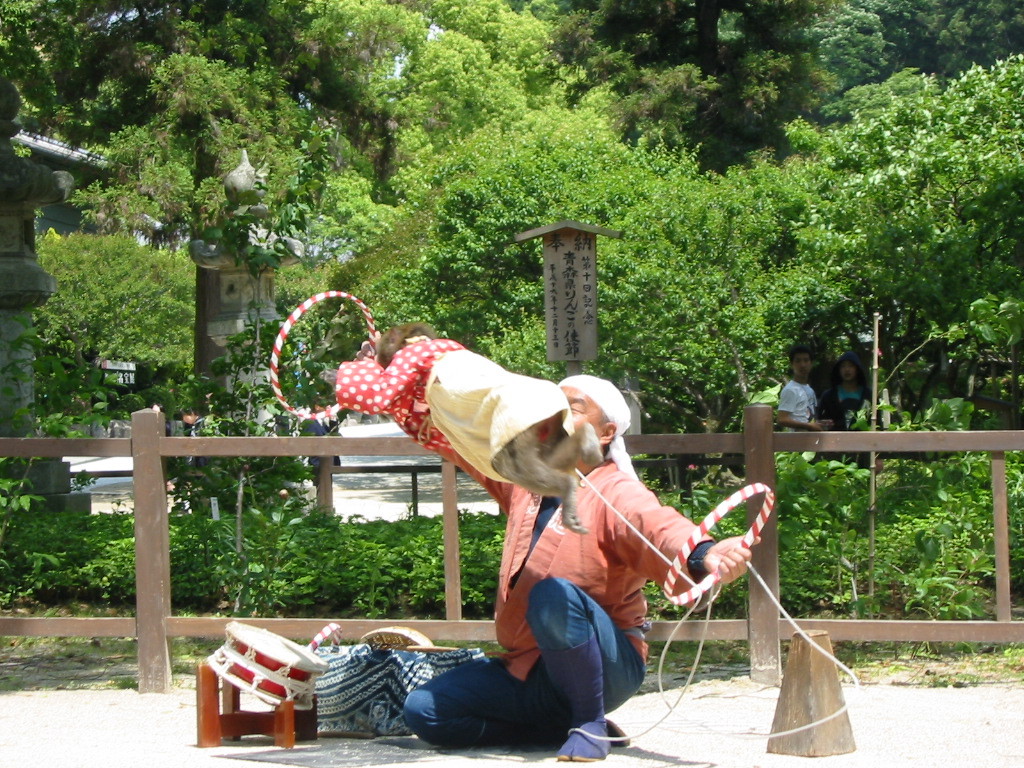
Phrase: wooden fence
(155, 624)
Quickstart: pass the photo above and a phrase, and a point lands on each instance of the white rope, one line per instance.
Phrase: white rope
(713, 595)
(623, 518)
(799, 630)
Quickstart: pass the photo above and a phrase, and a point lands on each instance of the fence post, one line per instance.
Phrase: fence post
(763, 631)
(152, 554)
(325, 484)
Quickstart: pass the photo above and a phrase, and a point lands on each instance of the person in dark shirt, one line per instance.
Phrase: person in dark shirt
(321, 425)
(840, 406)
(848, 395)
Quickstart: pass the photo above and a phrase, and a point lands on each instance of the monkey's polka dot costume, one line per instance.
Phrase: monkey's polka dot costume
(451, 400)
(398, 390)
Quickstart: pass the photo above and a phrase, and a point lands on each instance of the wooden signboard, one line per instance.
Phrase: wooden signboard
(570, 288)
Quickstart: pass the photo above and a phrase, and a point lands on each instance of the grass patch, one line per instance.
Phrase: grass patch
(66, 663)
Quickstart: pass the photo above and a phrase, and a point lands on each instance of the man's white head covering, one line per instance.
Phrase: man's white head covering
(608, 398)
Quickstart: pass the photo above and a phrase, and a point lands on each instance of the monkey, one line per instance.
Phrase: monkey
(401, 336)
(541, 457)
(387, 344)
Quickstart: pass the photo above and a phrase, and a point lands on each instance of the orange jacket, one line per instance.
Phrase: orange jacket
(610, 563)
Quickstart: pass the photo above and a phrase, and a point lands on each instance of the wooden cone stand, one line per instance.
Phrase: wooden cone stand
(284, 723)
(811, 691)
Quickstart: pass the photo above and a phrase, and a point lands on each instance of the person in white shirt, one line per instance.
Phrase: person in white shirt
(797, 402)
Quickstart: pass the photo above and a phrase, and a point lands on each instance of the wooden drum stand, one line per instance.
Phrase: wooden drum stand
(284, 722)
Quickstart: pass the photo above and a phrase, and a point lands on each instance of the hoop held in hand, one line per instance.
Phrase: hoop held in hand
(678, 568)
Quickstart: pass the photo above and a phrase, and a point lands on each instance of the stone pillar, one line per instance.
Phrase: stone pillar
(24, 187)
(242, 297)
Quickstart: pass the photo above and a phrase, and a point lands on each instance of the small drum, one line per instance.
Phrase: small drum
(271, 667)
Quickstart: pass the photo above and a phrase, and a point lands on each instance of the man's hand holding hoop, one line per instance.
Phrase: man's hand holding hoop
(729, 558)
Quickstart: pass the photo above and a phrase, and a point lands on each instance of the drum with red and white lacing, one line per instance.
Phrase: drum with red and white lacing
(271, 667)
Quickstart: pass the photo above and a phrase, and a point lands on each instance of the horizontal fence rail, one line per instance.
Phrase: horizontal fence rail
(154, 624)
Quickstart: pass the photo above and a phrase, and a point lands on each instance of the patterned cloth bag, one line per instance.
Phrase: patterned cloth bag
(364, 689)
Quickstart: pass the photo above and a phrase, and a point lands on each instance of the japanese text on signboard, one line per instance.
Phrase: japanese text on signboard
(570, 294)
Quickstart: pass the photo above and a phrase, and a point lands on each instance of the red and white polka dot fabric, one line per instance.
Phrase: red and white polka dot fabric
(398, 390)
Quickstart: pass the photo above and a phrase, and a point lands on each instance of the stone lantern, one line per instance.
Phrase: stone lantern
(24, 187)
(242, 297)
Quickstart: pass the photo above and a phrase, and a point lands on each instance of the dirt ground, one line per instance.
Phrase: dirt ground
(716, 723)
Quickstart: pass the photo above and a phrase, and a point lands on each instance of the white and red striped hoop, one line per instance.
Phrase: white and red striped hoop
(678, 567)
(332, 630)
(282, 335)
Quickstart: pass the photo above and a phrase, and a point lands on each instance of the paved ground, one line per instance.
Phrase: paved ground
(370, 495)
(720, 724)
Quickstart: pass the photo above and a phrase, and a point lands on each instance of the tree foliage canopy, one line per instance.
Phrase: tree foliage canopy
(413, 140)
(722, 75)
(864, 43)
(116, 299)
(913, 214)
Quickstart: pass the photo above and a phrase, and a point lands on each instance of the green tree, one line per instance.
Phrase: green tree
(724, 76)
(870, 99)
(852, 45)
(170, 93)
(954, 35)
(688, 302)
(717, 274)
(998, 325)
(482, 64)
(867, 42)
(917, 214)
(116, 299)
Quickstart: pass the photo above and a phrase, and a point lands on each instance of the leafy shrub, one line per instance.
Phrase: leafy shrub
(933, 544)
(933, 550)
(57, 557)
(932, 557)
(292, 564)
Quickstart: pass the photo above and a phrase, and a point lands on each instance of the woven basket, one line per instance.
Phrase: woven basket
(400, 638)
(394, 637)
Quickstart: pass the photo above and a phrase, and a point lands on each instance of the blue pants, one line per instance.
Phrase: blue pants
(480, 703)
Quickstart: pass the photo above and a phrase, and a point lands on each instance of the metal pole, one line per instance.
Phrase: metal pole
(872, 459)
